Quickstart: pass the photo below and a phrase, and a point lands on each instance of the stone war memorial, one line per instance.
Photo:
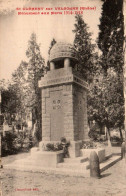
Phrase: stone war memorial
(64, 115)
(64, 100)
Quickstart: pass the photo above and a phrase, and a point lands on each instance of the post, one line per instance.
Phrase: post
(94, 165)
(123, 150)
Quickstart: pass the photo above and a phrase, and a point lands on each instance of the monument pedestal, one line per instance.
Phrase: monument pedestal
(46, 158)
(74, 149)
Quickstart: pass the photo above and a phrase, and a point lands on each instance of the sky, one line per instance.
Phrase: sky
(15, 30)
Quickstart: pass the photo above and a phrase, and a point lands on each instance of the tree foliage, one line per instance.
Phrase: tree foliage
(8, 97)
(19, 86)
(106, 101)
(35, 72)
(25, 81)
(111, 35)
(84, 48)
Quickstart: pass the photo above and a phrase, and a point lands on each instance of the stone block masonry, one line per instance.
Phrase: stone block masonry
(64, 106)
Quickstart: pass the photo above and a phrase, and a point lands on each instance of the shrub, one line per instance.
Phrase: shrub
(93, 135)
(13, 143)
(88, 145)
(54, 147)
(8, 146)
(63, 145)
(116, 139)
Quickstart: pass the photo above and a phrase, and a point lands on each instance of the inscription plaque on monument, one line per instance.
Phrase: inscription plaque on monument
(56, 116)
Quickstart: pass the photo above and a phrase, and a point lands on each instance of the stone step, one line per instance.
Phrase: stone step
(109, 162)
(61, 171)
(71, 169)
(76, 160)
(108, 156)
(72, 166)
(29, 163)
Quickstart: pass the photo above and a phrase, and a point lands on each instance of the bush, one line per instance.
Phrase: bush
(13, 143)
(116, 139)
(93, 135)
(8, 146)
(88, 145)
(96, 137)
(63, 145)
(54, 147)
(32, 141)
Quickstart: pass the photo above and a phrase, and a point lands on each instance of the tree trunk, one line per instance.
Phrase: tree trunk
(108, 136)
(121, 135)
(100, 129)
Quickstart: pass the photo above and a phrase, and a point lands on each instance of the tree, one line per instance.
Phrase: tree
(106, 101)
(110, 42)
(19, 86)
(85, 50)
(8, 98)
(111, 35)
(25, 82)
(3, 85)
(3, 88)
(35, 71)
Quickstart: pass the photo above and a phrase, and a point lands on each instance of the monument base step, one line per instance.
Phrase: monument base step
(76, 166)
(65, 168)
(108, 156)
(26, 167)
(76, 160)
(109, 162)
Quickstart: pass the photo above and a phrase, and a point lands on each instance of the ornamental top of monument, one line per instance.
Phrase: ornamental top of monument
(62, 50)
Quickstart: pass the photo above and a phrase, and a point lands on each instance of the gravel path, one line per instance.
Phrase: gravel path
(18, 183)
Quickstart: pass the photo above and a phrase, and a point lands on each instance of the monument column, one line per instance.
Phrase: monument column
(66, 62)
(52, 65)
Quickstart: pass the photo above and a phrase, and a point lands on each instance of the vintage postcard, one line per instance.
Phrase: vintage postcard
(62, 98)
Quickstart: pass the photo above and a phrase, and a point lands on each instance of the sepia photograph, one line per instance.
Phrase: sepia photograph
(62, 97)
